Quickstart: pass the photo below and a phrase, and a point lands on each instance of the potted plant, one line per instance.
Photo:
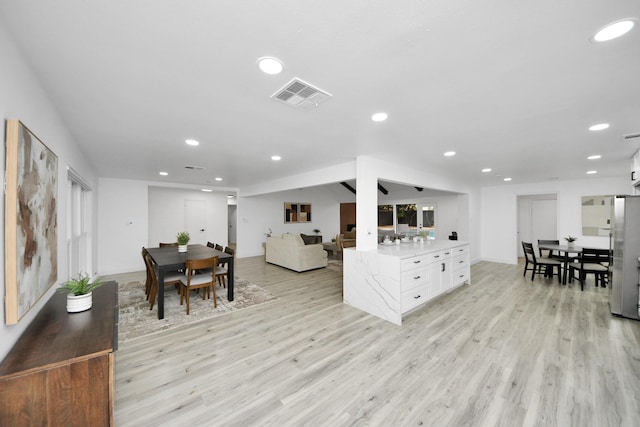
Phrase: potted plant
(79, 292)
(570, 239)
(316, 230)
(182, 238)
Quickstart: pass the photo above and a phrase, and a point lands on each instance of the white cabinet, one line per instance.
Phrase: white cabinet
(414, 282)
(440, 272)
(395, 280)
(460, 266)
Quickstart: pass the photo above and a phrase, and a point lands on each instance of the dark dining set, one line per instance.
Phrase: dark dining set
(568, 262)
(200, 267)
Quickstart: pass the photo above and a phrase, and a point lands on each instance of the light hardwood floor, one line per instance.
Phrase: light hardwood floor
(504, 351)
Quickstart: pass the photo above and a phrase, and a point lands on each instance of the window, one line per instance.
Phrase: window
(78, 225)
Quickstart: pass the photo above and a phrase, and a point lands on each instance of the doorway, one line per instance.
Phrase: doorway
(537, 219)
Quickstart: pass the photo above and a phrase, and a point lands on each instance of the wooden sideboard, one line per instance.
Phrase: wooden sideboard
(60, 371)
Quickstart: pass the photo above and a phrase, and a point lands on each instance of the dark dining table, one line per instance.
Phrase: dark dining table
(567, 251)
(168, 259)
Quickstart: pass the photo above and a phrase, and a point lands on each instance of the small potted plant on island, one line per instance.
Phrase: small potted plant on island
(182, 238)
(79, 292)
(570, 240)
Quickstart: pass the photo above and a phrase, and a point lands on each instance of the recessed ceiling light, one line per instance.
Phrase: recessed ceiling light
(218, 178)
(379, 117)
(591, 172)
(206, 190)
(614, 30)
(276, 158)
(164, 173)
(270, 65)
(507, 179)
(485, 170)
(450, 153)
(599, 126)
(191, 142)
(594, 157)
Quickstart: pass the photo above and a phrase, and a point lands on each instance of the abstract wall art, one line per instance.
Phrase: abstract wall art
(31, 238)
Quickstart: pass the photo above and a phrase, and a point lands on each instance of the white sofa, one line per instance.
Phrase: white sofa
(289, 251)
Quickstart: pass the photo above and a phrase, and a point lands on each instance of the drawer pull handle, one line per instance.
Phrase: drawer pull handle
(416, 277)
(443, 266)
(460, 262)
(436, 256)
(417, 297)
(462, 275)
(447, 253)
(416, 262)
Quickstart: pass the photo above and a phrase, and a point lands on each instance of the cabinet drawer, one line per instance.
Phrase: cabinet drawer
(460, 250)
(460, 276)
(416, 277)
(439, 256)
(460, 262)
(414, 262)
(414, 297)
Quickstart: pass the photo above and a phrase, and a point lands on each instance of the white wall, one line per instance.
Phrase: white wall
(22, 98)
(167, 215)
(499, 237)
(258, 214)
(125, 209)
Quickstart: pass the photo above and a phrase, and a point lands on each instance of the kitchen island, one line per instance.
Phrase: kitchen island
(392, 281)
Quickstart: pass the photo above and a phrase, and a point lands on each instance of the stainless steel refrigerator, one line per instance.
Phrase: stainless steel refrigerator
(623, 290)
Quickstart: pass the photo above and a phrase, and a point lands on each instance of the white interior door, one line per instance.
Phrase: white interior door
(195, 221)
(544, 220)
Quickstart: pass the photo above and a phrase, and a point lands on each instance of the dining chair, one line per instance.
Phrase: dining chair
(548, 253)
(219, 247)
(591, 261)
(162, 245)
(540, 265)
(149, 280)
(210, 245)
(222, 274)
(201, 274)
(173, 278)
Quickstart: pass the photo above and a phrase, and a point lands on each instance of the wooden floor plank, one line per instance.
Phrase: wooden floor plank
(503, 351)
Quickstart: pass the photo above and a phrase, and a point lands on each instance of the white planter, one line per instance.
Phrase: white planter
(78, 303)
(182, 248)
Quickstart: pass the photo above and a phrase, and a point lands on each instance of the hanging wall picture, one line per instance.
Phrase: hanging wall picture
(31, 240)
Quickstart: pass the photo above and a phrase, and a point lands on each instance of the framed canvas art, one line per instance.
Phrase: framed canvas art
(31, 238)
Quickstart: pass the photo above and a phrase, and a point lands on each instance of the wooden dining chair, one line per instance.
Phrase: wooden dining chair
(219, 247)
(162, 245)
(591, 261)
(174, 279)
(544, 266)
(211, 245)
(223, 274)
(149, 280)
(201, 274)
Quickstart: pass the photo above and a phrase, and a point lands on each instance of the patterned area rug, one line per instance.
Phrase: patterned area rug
(137, 320)
(334, 265)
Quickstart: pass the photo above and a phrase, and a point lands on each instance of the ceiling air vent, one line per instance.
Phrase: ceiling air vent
(631, 137)
(301, 95)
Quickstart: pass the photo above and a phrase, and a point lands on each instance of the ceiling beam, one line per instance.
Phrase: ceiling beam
(348, 187)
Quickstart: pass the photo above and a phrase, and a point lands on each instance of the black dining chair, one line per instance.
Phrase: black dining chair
(548, 253)
(591, 261)
(541, 265)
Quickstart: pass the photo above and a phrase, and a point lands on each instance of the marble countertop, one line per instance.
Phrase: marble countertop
(406, 250)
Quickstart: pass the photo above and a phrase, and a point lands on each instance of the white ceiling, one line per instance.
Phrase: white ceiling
(511, 85)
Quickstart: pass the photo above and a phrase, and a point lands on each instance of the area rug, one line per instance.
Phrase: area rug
(136, 320)
(334, 265)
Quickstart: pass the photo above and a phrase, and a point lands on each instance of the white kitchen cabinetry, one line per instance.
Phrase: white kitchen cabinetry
(635, 169)
(394, 280)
